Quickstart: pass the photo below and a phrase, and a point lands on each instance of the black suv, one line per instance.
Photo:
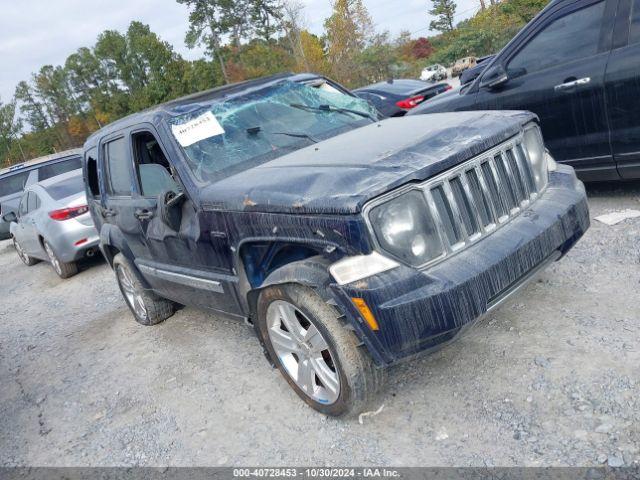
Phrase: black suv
(350, 243)
(576, 65)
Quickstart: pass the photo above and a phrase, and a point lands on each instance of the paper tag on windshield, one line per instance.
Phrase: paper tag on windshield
(200, 128)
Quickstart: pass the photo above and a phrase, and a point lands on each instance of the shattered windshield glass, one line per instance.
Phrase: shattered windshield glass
(233, 135)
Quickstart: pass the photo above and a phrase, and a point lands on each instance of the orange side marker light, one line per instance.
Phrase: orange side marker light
(364, 310)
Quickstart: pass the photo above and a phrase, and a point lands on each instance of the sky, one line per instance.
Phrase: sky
(34, 33)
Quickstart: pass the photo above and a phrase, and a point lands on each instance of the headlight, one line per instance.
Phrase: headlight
(405, 229)
(534, 145)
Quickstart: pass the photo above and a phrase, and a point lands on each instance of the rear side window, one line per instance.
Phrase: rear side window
(58, 168)
(566, 39)
(66, 188)
(23, 204)
(634, 27)
(33, 202)
(118, 167)
(13, 183)
(93, 180)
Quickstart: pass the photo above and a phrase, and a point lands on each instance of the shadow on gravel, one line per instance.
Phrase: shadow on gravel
(629, 188)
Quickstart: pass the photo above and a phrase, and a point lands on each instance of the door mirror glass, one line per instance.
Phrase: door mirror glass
(155, 179)
(494, 76)
(10, 217)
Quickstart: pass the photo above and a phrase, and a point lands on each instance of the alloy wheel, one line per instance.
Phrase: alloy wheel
(21, 253)
(303, 352)
(131, 294)
(52, 258)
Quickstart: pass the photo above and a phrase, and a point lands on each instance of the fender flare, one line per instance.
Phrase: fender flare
(312, 272)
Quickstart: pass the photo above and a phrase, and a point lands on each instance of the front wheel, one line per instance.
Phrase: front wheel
(24, 256)
(320, 359)
(63, 269)
(147, 307)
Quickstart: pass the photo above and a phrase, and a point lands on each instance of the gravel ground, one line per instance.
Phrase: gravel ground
(551, 378)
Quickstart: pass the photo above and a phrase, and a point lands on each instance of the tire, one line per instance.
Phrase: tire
(63, 269)
(352, 380)
(24, 256)
(147, 307)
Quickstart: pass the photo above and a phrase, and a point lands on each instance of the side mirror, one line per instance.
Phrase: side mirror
(10, 217)
(495, 76)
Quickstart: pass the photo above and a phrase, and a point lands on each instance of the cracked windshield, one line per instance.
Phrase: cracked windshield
(240, 133)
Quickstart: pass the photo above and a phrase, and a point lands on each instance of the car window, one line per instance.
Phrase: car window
(152, 167)
(238, 133)
(32, 202)
(66, 188)
(634, 27)
(58, 168)
(13, 183)
(23, 204)
(118, 167)
(566, 39)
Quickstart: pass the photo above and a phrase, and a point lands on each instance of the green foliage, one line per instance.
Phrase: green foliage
(444, 11)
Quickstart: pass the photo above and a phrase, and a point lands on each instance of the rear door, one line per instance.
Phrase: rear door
(27, 234)
(122, 206)
(622, 85)
(557, 71)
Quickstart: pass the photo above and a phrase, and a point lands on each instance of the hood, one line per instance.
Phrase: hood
(339, 175)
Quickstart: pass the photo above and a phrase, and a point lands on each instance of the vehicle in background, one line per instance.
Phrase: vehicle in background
(433, 73)
(575, 65)
(350, 243)
(472, 73)
(14, 179)
(395, 98)
(463, 64)
(53, 223)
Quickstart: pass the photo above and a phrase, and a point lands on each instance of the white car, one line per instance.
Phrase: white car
(433, 73)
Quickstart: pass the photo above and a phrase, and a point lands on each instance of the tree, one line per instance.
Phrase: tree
(10, 128)
(349, 29)
(444, 11)
(267, 17)
(210, 21)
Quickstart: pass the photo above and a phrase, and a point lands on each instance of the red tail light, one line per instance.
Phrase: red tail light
(410, 103)
(448, 87)
(68, 213)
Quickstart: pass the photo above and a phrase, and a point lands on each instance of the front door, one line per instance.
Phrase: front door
(622, 84)
(558, 72)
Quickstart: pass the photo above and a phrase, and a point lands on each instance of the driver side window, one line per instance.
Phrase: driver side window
(154, 171)
(566, 39)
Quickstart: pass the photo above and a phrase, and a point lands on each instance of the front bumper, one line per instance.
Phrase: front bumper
(419, 310)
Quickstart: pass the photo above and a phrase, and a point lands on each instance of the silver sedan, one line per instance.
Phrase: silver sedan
(53, 224)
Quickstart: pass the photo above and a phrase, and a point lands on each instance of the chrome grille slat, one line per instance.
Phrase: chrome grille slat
(455, 209)
(493, 214)
(474, 214)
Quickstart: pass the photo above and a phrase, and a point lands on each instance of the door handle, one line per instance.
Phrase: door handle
(107, 212)
(572, 84)
(143, 214)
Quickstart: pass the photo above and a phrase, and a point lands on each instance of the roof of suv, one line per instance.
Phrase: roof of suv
(41, 160)
(176, 107)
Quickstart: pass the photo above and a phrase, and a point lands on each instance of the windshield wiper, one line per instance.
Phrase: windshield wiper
(256, 130)
(332, 109)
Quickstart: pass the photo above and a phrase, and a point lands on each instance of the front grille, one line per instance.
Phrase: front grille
(473, 199)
